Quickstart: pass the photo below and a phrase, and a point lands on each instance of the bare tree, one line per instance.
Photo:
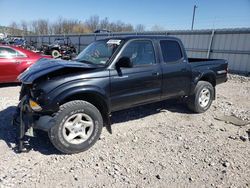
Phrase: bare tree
(139, 28)
(80, 28)
(50, 29)
(105, 24)
(120, 26)
(70, 26)
(157, 28)
(57, 26)
(13, 29)
(24, 27)
(92, 23)
(42, 27)
(127, 28)
(34, 26)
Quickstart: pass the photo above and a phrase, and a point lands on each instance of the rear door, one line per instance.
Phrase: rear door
(10, 60)
(176, 70)
(140, 83)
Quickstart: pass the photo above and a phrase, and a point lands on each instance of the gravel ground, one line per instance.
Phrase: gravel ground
(157, 145)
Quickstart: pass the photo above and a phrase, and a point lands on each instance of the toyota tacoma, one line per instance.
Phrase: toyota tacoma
(73, 100)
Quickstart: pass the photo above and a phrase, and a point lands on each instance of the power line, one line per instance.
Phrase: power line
(195, 7)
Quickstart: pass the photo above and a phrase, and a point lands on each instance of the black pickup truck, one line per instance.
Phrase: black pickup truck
(73, 100)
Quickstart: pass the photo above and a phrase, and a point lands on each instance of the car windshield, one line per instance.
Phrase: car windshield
(99, 52)
(59, 42)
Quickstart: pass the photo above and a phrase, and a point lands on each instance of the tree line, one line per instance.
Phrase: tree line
(70, 26)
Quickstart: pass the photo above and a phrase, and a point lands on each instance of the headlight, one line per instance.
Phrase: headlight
(34, 106)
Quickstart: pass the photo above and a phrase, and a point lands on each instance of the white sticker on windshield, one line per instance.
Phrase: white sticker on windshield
(102, 62)
(114, 41)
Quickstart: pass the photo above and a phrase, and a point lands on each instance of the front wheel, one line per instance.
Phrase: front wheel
(78, 125)
(202, 98)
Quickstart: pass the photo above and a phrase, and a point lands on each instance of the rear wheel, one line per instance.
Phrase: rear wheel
(78, 125)
(202, 98)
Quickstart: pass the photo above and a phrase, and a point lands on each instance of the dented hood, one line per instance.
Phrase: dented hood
(45, 66)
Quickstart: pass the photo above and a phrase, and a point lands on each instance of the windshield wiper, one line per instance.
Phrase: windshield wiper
(84, 61)
(88, 62)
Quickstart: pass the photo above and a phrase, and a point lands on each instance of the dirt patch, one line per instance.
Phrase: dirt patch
(156, 145)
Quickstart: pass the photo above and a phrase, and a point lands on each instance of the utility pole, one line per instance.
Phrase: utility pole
(195, 7)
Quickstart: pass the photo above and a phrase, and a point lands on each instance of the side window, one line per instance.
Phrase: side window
(140, 52)
(171, 51)
(9, 53)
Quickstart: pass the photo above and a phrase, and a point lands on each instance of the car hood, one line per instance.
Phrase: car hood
(46, 66)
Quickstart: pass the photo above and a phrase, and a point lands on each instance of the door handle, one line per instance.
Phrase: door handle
(155, 73)
(18, 62)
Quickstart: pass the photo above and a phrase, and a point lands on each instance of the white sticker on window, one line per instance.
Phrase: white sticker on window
(102, 62)
(114, 41)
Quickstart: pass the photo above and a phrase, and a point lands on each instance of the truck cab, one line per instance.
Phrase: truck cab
(153, 75)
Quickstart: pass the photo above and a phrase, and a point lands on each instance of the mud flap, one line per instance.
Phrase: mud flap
(108, 123)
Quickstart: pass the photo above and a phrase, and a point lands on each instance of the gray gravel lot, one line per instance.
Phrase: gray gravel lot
(157, 145)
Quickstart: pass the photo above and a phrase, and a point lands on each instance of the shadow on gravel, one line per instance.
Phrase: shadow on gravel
(171, 105)
(42, 144)
(9, 85)
(8, 133)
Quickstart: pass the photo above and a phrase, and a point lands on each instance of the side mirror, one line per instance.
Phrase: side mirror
(124, 62)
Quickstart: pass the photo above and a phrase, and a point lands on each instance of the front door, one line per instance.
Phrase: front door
(138, 84)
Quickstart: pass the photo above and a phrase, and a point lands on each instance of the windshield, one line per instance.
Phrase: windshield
(59, 42)
(99, 52)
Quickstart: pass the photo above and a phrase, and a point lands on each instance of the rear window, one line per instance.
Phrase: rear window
(171, 51)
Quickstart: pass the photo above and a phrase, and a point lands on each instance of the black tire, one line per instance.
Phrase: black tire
(55, 54)
(193, 101)
(66, 111)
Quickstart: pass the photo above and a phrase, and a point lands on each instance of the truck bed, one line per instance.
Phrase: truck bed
(218, 66)
(214, 64)
(194, 60)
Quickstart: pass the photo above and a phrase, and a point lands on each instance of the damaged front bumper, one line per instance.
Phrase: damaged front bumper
(26, 120)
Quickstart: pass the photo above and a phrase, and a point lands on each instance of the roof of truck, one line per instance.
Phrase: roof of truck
(141, 36)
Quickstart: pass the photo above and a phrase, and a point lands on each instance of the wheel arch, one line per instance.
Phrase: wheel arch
(208, 77)
(94, 97)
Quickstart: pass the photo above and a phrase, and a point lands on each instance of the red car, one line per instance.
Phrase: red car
(15, 60)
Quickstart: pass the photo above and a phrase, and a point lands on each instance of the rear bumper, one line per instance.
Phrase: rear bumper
(221, 79)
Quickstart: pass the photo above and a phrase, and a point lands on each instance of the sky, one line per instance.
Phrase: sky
(169, 14)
